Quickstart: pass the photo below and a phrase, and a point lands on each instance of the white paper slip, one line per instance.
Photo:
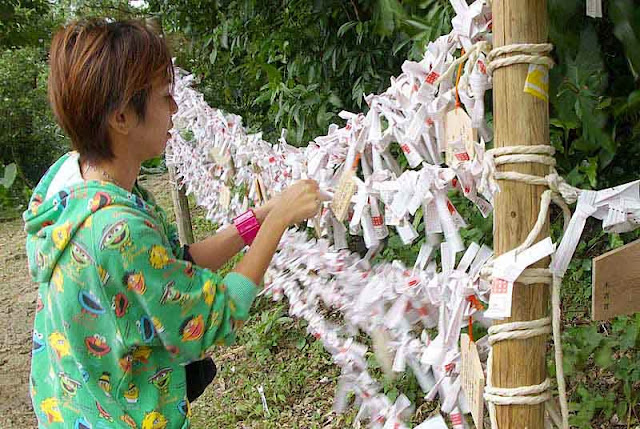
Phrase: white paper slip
(594, 8)
(500, 300)
(406, 232)
(423, 256)
(510, 265)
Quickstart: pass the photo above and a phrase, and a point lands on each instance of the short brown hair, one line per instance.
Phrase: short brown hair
(98, 67)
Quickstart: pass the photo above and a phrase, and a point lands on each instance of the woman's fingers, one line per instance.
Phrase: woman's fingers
(302, 200)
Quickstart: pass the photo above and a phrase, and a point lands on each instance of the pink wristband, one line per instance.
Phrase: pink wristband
(247, 225)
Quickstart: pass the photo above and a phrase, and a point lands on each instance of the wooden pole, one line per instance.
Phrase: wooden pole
(181, 209)
(519, 119)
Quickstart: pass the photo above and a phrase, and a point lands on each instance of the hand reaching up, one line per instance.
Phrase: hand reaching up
(298, 202)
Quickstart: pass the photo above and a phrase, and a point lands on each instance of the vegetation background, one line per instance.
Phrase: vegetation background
(296, 64)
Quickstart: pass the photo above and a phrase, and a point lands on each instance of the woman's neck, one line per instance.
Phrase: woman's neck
(121, 172)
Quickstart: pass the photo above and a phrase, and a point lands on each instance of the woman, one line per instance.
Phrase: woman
(121, 309)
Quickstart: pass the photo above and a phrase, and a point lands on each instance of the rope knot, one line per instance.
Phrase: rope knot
(553, 179)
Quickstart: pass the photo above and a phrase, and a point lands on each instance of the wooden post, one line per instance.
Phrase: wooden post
(519, 119)
(181, 209)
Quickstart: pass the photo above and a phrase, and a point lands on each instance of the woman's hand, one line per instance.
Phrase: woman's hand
(298, 202)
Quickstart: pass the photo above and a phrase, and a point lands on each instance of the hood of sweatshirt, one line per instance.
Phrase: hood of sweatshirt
(61, 203)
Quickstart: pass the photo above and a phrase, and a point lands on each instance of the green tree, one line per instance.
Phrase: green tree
(296, 64)
(24, 23)
(28, 135)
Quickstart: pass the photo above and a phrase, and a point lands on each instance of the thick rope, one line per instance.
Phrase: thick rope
(560, 193)
(519, 330)
(526, 53)
(523, 395)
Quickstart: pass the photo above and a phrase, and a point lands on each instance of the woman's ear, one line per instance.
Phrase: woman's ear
(121, 121)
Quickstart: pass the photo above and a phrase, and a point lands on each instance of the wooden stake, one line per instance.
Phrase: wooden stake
(519, 119)
(181, 209)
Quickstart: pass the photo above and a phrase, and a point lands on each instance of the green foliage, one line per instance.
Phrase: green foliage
(595, 100)
(66, 10)
(24, 22)
(274, 352)
(595, 127)
(7, 193)
(296, 64)
(29, 136)
(609, 356)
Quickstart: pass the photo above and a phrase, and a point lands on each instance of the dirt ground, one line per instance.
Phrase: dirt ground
(17, 306)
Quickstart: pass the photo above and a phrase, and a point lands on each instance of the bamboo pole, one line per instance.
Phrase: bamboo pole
(519, 119)
(181, 209)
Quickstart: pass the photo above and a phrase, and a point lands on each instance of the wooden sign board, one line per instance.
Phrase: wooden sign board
(457, 127)
(616, 282)
(342, 196)
(472, 378)
(225, 197)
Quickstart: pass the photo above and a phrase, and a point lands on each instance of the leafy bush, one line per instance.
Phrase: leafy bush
(28, 134)
(595, 116)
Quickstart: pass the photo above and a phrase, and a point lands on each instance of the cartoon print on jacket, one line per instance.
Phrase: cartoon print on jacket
(118, 312)
(104, 382)
(80, 255)
(61, 235)
(192, 328)
(116, 236)
(97, 345)
(158, 257)
(98, 201)
(90, 304)
(132, 393)
(58, 279)
(135, 282)
(38, 342)
(161, 379)
(59, 344)
(154, 420)
(51, 410)
(68, 384)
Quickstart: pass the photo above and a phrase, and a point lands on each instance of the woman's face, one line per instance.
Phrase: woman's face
(149, 137)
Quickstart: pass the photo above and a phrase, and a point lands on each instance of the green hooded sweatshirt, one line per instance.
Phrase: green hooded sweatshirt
(119, 313)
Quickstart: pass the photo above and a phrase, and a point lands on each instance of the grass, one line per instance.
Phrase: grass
(297, 376)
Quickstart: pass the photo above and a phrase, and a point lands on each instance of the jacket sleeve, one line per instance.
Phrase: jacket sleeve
(157, 299)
